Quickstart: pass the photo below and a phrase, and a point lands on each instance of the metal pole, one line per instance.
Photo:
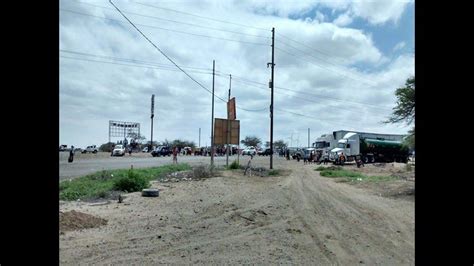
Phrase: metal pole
(152, 115)
(228, 125)
(212, 116)
(271, 106)
(308, 137)
(199, 137)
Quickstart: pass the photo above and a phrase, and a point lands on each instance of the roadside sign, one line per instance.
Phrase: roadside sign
(231, 115)
(220, 131)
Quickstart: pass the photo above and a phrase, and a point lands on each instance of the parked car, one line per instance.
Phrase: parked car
(63, 148)
(91, 149)
(145, 149)
(161, 151)
(119, 150)
(249, 151)
(265, 152)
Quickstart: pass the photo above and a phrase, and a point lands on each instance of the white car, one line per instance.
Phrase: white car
(249, 151)
(91, 149)
(119, 150)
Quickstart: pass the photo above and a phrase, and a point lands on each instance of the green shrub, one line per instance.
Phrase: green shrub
(274, 172)
(234, 165)
(341, 173)
(322, 168)
(102, 183)
(131, 183)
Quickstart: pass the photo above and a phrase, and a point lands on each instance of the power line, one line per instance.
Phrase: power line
(198, 16)
(329, 69)
(312, 48)
(171, 68)
(141, 62)
(130, 65)
(179, 22)
(311, 117)
(156, 47)
(301, 98)
(160, 68)
(160, 28)
(239, 79)
(291, 46)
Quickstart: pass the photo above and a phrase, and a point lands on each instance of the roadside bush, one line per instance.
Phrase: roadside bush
(234, 165)
(131, 182)
(274, 172)
(322, 168)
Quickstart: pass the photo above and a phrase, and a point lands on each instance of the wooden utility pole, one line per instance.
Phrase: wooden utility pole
(212, 118)
(272, 84)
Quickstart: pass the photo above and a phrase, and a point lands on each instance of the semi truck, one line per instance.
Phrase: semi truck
(370, 148)
(327, 142)
(324, 144)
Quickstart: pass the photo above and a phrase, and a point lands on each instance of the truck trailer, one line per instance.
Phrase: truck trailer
(371, 147)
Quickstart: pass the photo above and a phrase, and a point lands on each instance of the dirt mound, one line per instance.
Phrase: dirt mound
(73, 220)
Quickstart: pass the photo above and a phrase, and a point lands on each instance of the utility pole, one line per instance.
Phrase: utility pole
(308, 137)
(212, 118)
(199, 137)
(228, 124)
(152, 115)
(272, 82)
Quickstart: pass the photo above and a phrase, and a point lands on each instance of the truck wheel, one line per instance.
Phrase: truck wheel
(372, 159)
(365, 159)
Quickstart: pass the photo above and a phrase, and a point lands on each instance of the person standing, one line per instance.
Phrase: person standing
(175, 155)
(71, 155)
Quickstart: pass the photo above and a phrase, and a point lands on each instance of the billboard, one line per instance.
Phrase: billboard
(123, 129)
(231, 115)
(220, 131)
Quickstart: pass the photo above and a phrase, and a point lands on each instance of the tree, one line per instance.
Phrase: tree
(279, 144)
(404, 111)
(251, 141)
(182, 143)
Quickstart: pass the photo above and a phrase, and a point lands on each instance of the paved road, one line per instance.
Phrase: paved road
(84, 164)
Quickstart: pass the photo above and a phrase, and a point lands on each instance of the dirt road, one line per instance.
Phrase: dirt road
(301, 218)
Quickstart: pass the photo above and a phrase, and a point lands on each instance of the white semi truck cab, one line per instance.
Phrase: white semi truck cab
(324, 144)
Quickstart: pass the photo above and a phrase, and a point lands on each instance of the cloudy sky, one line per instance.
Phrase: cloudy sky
(337, 66)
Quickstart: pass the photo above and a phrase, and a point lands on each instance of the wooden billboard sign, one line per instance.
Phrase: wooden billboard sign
(220, 131)
(231, 115)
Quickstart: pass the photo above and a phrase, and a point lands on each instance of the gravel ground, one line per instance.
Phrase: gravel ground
(297, 218)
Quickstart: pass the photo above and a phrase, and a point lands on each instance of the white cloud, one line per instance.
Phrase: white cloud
(343, 20)
(375, 12)
(399, 46)
(92, 93)
(320, 16)
(381, 11)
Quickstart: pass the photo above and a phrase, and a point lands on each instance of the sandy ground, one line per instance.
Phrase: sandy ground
(300, 218)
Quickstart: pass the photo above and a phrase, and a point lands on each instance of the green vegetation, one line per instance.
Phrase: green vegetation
(274, 172)
(404, 111)
(351, 175)
(234, 165)
(322, 168)
(132, 182)
(101, 183)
